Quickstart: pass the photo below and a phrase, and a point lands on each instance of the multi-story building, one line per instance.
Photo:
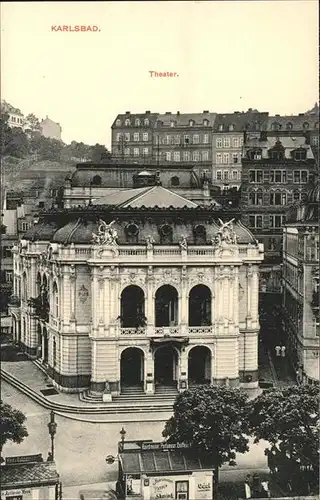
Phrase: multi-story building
(132, 136)
(146, 292)
(50, 129)
(227, 143)
(301, 287)
(185, 138)
(16, 118)
(276, 172)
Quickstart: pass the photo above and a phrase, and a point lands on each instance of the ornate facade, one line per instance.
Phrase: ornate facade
(150, 291)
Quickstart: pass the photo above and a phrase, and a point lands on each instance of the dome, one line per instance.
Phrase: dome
(76, 231)
(313, 195)
(43, 231)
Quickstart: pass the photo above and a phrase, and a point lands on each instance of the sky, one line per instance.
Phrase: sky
(228, 55)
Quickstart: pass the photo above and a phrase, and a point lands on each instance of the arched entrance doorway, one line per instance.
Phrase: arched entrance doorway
(132, 307)
(199, 365)
(131, 367)
(166, 306)
(166, 365)
(200, 306)
(45, 345)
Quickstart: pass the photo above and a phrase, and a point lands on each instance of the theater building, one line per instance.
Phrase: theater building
(149, 290)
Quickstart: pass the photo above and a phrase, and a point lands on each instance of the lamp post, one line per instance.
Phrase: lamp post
(123, 435)
(52, 426)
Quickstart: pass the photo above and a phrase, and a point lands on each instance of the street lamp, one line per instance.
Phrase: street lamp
(52, 426)
(123, 435)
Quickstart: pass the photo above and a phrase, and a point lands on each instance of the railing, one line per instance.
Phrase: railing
(133, 331)
(170, 331)
(82, 251)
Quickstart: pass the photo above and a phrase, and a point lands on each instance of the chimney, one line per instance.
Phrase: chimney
(277, 115)
(236, 112)
(148, 112)
(301, 114)
(127, 112)
(168, 112)
(205, 112)
(178, 113)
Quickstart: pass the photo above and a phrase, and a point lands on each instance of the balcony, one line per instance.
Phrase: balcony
(168, 331)
(157, 255)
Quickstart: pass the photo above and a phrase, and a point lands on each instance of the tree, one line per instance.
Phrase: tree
(11, 425)
(288, 418)
(98, 153)
(211, 421)
(32, 123)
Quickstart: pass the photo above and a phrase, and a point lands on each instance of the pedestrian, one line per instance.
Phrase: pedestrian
(278, 350)
(265, 488)
(283, 351)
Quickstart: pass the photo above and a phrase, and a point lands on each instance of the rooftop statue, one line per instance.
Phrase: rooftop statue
(226, 233)
(106, 234)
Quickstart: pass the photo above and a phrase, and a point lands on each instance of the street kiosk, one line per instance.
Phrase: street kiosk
(161, 471)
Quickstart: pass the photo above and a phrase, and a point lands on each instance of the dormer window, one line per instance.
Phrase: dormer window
(127, 122)
(276, 155)
(299, 154)
(220, 127)
(118, 122)
(306, 125)
(276, 126)
(205, 123)
(191, 123)
(146, 122)
(172, 123)
(231, 127)
(137, 122)
(254, 154)
(316, 125)
(289, 126)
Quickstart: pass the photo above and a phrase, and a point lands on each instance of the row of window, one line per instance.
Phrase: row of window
(135, 136)
(15, 119)
(289, 126)
(137, 122)
(225, 142)
(275, 221)
(259, 176)
(226, 175)
(275, 198)
(187, 156)
(276, 154)
(226, 158)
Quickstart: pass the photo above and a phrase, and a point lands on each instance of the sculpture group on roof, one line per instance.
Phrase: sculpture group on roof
(106, 234)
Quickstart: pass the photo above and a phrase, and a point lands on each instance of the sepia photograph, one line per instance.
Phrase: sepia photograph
(159, 276)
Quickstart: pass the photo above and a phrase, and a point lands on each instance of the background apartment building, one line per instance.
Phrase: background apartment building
(132, 137)
(186, 138)
(227, 143)
(50, 129)
(16, 118)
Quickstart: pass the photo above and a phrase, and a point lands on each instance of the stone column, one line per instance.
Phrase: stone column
(249, 292)
(149, 312)
(255, 297)
(184, 303)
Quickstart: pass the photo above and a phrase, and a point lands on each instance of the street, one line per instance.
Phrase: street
(81, 447)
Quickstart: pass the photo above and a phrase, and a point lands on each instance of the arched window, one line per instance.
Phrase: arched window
(276, 126)
(96, 180)
(289, 126)
(132, 233)
(127, 122)
(231, 127)
(175, 181)
(165, 234)
(54, 352)
(275, 198)
(200, 234)
(205, 123)
(38, 283)
(137, 122)
(146, 122)
(255, 197)
(305, 125)
(24, 287)
(118, 122)
(316, 125)
(55, 298)
(191, 123)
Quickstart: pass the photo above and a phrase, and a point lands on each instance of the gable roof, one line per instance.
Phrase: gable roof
(158, 196)
(20, 475)
(244, 120)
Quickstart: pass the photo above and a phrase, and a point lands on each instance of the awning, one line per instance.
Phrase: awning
(145, 461)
